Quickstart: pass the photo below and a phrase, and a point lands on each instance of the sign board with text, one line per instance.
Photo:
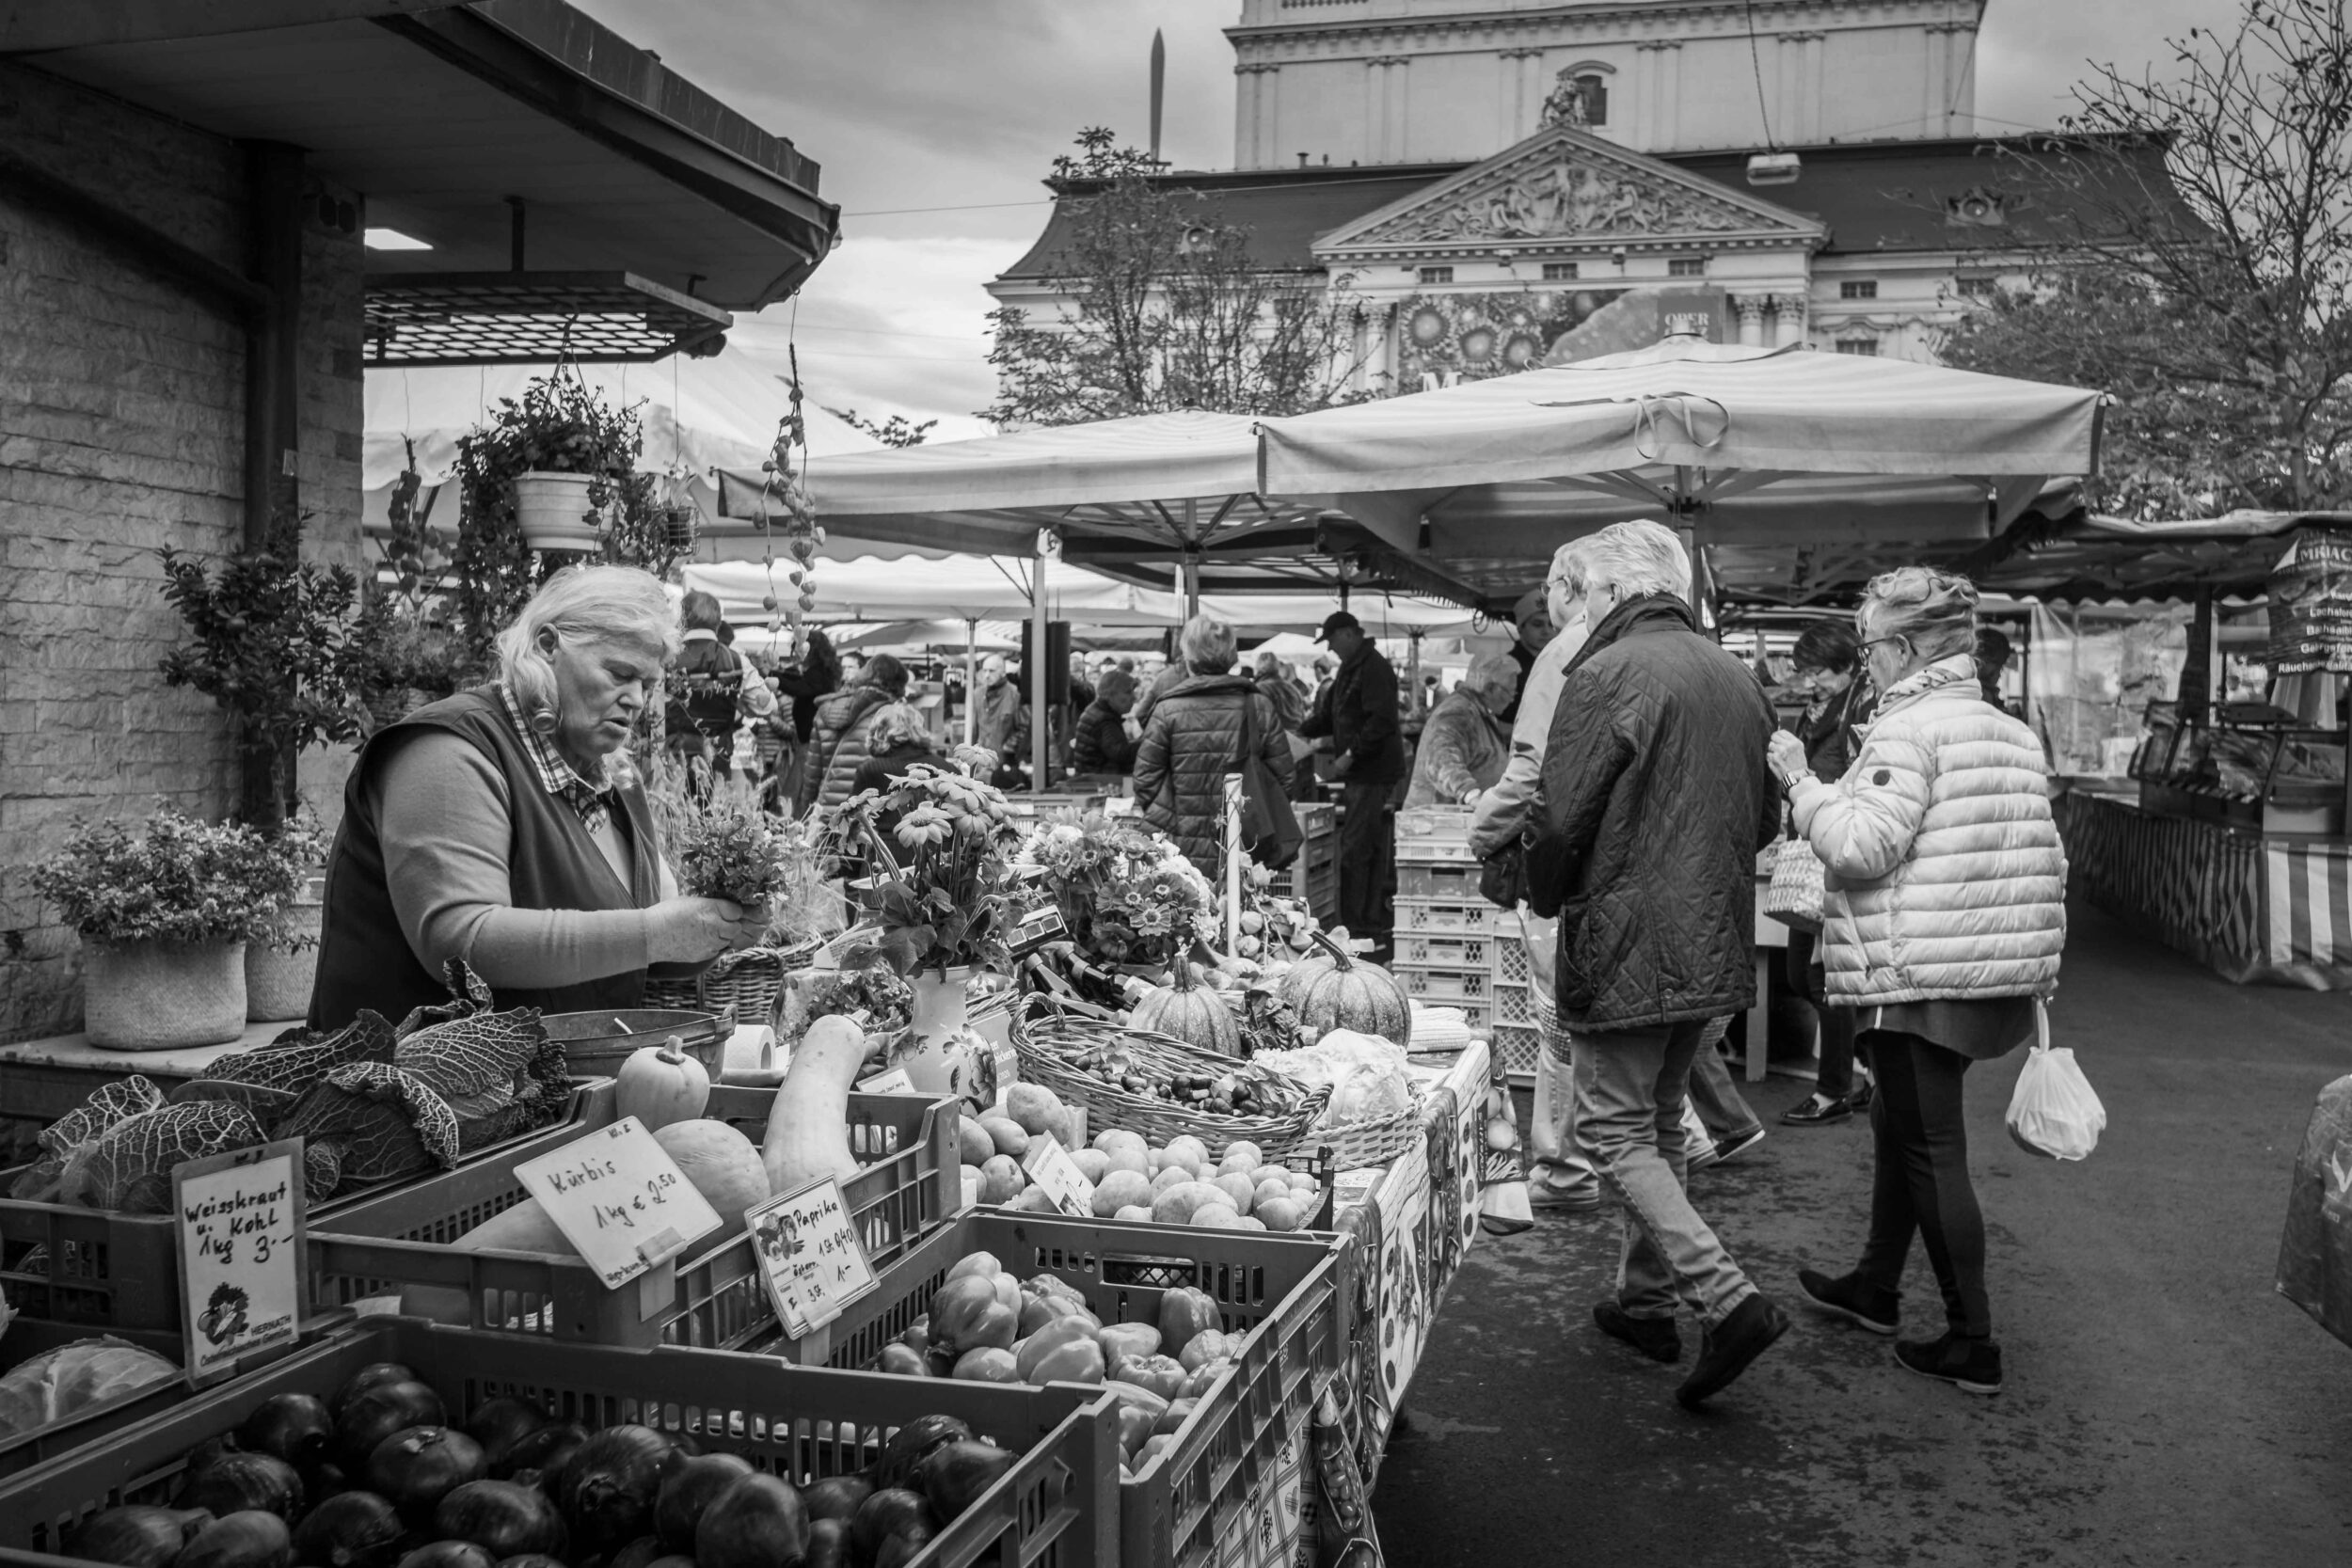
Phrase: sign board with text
(239, 1223)
(619, 1199)
(810, 1255)
(894, 1082)
(1051, 1167)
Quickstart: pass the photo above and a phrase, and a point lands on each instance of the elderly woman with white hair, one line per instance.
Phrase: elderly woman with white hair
(500, 826)
(1198, 732)
(1942, 926)
(1465, 743)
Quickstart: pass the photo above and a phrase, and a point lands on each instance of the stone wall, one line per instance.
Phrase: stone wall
(121, 430)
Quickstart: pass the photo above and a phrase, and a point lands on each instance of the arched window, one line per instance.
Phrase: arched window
(1582, 96)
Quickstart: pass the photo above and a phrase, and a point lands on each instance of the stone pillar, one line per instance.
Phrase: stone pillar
(1666, 87)
(1751, 308)
(1398, 117)
(1515, 116)
(1799, 119)
(1789, 319)
(1934, 113)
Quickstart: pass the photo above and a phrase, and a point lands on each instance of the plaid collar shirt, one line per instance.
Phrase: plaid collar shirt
(557, 776)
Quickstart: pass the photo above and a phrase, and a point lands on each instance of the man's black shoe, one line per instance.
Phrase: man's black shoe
(1725, 1353)
(1972, 1366)
(1850, 1299)
(1655, 1337)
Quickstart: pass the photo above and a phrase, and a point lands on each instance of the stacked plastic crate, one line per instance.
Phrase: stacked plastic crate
(1454, 949)
(1314, 876)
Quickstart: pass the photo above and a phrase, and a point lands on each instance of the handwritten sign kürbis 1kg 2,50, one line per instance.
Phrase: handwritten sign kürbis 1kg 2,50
(239, 1217)
(620, 1199)
(809, 1254)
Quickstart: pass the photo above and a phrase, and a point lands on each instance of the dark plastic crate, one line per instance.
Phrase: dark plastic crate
(1057, 1508)
(106, 1273)
(1288, 1292)
(29, 1336)
(1443, 882)
(910, 1188)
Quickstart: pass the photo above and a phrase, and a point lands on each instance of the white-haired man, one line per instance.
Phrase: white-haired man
(1656, 799)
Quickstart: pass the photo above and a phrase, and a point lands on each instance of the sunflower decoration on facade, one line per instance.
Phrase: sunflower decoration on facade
(1522, 349)
(1478, 346)
(1427, 327)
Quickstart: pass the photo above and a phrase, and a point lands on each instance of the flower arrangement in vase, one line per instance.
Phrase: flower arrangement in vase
(1127, 896)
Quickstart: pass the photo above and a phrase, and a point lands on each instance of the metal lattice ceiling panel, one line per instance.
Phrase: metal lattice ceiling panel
(510, 318)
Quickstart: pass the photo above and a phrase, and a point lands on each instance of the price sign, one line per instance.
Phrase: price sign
(619, 1199)
(1051, 1167)
(809, 1254)
(239, 1218)
(894, 1082)
(1034, 929)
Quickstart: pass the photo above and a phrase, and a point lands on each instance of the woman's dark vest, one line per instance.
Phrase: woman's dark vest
(552, 863)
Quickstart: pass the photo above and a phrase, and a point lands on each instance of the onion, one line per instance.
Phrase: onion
(376, 1413)
(240, 1483)
(827, 1544)
(890, 1514)
(366, 1378)
(248, 1539)
(637, 1554)
(350, 1530)
(608, 1485)
(756, 1523)
(687, 1487)
(136, 1535)
(417, 1466)
(449, 1554)
(543, 1451)
(532, 1560)
(295, 1428)
(500, 1518)
(499, 1424)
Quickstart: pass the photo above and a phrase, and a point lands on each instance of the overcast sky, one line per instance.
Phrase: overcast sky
(956, 109)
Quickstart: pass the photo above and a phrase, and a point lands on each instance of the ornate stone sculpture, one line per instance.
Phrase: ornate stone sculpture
(1564, 195)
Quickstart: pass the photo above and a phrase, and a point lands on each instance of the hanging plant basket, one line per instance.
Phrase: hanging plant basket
(677, 524)
(553, 510)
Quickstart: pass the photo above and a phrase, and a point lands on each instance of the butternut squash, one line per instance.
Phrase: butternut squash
(660, 1084)
(808, 1127)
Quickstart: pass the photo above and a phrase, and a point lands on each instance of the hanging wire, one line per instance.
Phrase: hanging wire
(1755, 60)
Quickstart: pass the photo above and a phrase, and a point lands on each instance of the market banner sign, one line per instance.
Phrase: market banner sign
(2311, 604)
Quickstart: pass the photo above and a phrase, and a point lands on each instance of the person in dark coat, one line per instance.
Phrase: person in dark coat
(1195, 738)
(1827, 663)
(1101, 744)
(1356, 715)
(1657, 799)
(840, 744)
(1532, 620)
(711, 687)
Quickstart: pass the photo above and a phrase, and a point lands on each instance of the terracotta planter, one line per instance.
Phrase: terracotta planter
(162, 996)
(553, 510)
(278, 979)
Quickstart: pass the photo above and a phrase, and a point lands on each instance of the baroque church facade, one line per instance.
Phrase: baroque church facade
(1503, 185)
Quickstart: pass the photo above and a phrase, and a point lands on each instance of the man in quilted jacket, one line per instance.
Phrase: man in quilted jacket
(1656, 799)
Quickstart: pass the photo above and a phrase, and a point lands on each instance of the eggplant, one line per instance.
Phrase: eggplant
(756, 1523)
(892, 1514)
(499, 1424)
(250, 1538)
(828, 1544)
(502, 1518)
(241, 1482)
(910, 1443)
(136, 1535)
(350, 1530)
(543, 1450)
(376, 1412)
(417, 1466)
(297, 1428)
(448, 1554)
(366, 1378)
(836, 1496)
(953, 1475)
(608, 1487)
(687, 1487)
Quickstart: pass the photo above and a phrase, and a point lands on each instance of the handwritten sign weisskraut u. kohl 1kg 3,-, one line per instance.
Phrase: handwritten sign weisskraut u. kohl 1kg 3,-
(239, 1223)
(620, 1199)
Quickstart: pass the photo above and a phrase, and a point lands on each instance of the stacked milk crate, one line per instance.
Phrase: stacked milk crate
(1454, 949)
(1314, 876)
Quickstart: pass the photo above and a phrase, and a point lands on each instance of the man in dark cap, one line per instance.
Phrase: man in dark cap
(1532, 618)
(1356, 720)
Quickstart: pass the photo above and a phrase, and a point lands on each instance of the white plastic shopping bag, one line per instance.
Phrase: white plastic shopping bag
(2054, 1110)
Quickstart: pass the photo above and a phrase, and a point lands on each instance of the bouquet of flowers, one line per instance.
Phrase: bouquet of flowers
(180, 880)
(728, 847)
(942, 883)
(1127, 894)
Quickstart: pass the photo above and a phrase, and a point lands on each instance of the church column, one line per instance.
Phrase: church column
(1935, 93)
(1515, 116)
(1667, 75)
(1799, 60)
(1789, 319)
(1249, 116)
(1642, 130)
(1751, 308)
(1399, 129)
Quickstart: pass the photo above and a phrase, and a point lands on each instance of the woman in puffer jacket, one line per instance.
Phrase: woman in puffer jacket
(841, 742)
(1943, 923)
(1194, 738)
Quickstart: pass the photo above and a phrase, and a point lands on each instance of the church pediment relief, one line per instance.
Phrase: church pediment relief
(1566, 185)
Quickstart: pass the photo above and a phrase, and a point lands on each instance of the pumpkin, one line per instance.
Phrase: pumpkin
(1343, 992)
(723, 1165)
(1190, 1012)
(662, 1084)
(809, 1126)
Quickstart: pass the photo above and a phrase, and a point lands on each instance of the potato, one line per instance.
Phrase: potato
(1265, 1189)
(1120, 1189)
(1175, 1176)
(1135, 1213)
(1001, 1180)
(1006, 1134)
(1281, 1213)
(1178, 1205)
(978, 1144)
(1091, 1164)
(1237, 1186)
(1113, 1138)
(1251, 1222)
(1240, 1154)
(1216, 1216)
(1191, 1151)
(1128, 1159)
(1033, 1201)
(1035, 1107)
(1264, 1174)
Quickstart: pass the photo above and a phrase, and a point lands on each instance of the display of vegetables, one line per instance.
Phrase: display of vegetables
(62, 1383)
(305, 1483)
(1175, 1183)
(984, 1326)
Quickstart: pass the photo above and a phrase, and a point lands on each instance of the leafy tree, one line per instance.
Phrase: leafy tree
(1167, 310)
(2202, 268)
(897, 431)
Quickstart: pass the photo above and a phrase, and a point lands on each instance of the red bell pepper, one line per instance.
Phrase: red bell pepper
(1062, 1331)
(1159, 1373)
(1185, 1312)
(966, 1316)
(1078, 1361)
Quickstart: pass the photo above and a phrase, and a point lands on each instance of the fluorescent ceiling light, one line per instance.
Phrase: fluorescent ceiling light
(392, 239)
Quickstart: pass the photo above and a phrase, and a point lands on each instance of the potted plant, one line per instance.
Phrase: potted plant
(281, 962)
(164, 918)
(943, 887)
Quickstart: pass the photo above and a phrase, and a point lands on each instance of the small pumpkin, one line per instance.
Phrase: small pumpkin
(662, 1084)
(1190, 1012)
(1338, 990)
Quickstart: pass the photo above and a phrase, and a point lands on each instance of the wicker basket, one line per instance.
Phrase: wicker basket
(747, 981)
(1049, 1044)
(1360, 1145)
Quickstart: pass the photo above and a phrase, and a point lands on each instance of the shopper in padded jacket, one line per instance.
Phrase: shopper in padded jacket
(1942, 923)
(1656, 801)
(841, 742)
(1194, 738)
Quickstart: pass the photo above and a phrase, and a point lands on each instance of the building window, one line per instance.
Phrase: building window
(1595, 92)
(1559, 271)
(1436, 275)
(1686, 266)
(1858, 288)
(1866, 347)
(1977, 288)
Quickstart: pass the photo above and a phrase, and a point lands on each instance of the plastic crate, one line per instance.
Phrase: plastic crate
(1510, 966)
(1054, 1509)
(1444, 986)
(1433, 832)
(108, 1273)
(910, 1188)
(1437, 881)
(1422, 951)
(1517, 1046)
(1476, 918)
(1513, 1005)
(1288, 1292)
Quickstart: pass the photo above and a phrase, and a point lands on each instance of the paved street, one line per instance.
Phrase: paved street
(2164, 1404)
